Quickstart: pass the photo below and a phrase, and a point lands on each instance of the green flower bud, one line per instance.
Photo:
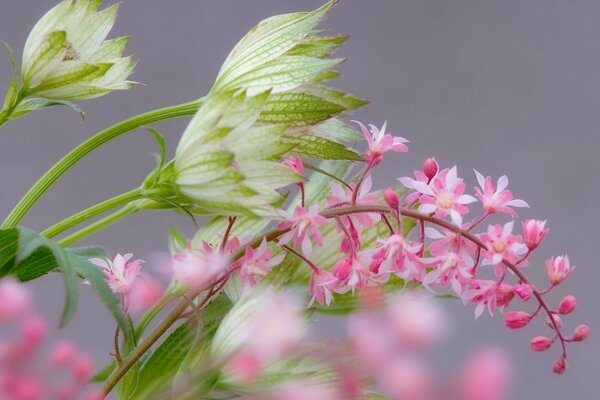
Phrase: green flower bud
(67, 56)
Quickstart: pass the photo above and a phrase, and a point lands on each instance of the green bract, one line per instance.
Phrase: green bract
(66, 56)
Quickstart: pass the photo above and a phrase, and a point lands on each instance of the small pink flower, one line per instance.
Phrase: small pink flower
(541, 343)
(380, 142)
(581, 333)
(397, 256)
(449, 241)
(482, 293)
(443, 196)
(350, 273)
(120, 273)
(558, 269)
(391, 198)
(523, 290)
(321, 284)
(14, 299)
(196, 270)
(497, 199)
(295, 164)
(567, 305)
(486, 376)
(82, 368)
(534, 232)
(303, 225)
(145, 292)
(63, 353)
(516, 319)
(502, 245)
(343, 196)
(256, 263)
(449, 269)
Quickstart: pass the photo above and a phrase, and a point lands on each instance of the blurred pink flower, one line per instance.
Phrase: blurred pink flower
(486, 376)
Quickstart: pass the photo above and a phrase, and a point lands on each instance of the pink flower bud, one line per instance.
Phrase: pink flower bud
(581, 333)
(560, 365)
(567, 305)
(516, 319)
(295, 164)
(430, 168)
(534, 232)
(541, 343)
(558, 269)
(82, 369)
(504, 295)
(14, 299)
(63, 353)
(391, 198)
(95, 396)
(34, 331)
(523, 290)
(556, 319)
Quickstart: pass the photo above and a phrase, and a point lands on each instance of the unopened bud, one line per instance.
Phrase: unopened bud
(516, 319)
(556, 319)
(559, 365)
(581, 333)
(430, 168)
(523, 290)
(391, 198)
(567, 305)
(541, 343)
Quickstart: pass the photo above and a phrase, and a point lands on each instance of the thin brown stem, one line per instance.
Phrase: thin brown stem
(301, 257)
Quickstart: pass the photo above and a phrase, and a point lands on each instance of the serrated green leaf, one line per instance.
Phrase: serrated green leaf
(268, 40)
(344, 99)
(11, 93)
(337, 130)
(298, 109)
(313, 146)
(36, 103)
(319, 47)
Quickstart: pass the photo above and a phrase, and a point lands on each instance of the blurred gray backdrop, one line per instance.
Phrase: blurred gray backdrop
(506, 87)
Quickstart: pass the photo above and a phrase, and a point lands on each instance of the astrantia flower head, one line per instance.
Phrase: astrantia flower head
(379, 142)
(120, 272)
(67, 56)
(497, 199)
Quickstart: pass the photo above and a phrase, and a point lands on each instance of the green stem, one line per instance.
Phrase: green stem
(7, 112)
(91, 212)
(88, 146)
(99, 225)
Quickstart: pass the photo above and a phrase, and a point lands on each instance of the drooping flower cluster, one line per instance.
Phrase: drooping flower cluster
(26, 373)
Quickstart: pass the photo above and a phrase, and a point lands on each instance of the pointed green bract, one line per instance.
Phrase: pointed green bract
(67, 56)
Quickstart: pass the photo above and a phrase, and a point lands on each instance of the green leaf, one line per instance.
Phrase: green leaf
(298, 109)
(337, 130)
(319, 47)
(164, 362)
(49, 53)
(28, 255)
(344, 99)
(154, 176)
(104, 373)
(11, 93)
(267, 41)
(313, 146)
(37, 103)
(71, 72)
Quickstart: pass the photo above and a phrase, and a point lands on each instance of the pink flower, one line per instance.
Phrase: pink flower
(14, 299)
(350, 274)
(523, 290)
(516, 319)
(541, 343)
(483, 293)
(450, 268)
(449, 241)
(567, 305)
(534, 232)
(120, 273)
(443, 196)
(343, 196)
(558, 269)
(497, 199)
(398, 256)
(321, 284)
(502, 245)
(196, 270)
(380, 142)
(487, 376)
(303, 225)
(256, 263)
(560, 365)
(295, 164)
(145, 292)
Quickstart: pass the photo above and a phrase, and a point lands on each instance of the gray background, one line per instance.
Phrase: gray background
(502, 86)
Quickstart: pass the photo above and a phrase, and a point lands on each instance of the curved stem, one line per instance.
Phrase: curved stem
(180, 308)
(88, 146)
(91, 212)
(99, 225)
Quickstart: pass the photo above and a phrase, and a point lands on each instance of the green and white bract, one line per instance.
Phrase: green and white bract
(67, 56)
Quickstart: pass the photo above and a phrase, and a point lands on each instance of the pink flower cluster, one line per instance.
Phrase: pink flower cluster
(25, 372)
